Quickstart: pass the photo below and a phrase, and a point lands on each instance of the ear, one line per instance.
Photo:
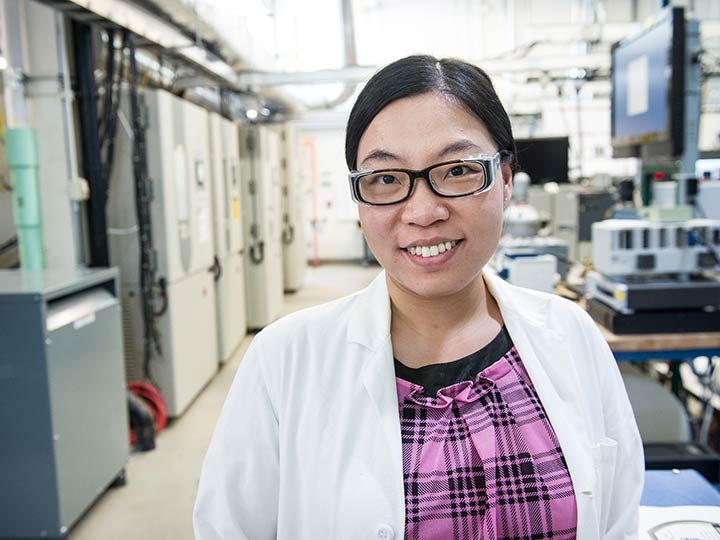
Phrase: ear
(507, 177)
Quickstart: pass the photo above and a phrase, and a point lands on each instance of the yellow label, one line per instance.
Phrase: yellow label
(620, 295)
(235, 209)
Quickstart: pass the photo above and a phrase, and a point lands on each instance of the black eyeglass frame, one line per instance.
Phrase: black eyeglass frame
(489, 163)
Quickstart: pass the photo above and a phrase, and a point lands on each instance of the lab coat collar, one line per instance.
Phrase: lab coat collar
(372, 332)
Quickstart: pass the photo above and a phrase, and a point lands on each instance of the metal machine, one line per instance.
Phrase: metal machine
(708, 200)
(575, 209)
(261, 186)
(63, 408)
(654, 277)
(177, 133)
(229, 242)
(622, 247)
(293, 230)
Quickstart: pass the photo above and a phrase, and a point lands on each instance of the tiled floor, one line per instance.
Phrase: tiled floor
(157, 501)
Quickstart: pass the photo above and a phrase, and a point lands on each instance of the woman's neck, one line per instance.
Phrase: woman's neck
(438, 330)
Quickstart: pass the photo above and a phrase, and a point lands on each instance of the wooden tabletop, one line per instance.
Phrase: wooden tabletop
(660, 342)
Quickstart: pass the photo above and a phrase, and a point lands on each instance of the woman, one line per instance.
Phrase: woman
(440, 402)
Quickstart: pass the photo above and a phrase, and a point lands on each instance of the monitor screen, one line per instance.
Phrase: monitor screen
(647, 87)
(544, 159)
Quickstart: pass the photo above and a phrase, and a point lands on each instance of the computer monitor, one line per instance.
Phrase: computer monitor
(648, 90)
(544, 159)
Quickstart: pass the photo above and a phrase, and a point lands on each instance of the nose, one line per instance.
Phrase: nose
(424, 207)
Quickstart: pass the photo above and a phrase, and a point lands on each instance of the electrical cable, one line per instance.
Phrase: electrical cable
(143, 201)
(9, 244)
(109, 123)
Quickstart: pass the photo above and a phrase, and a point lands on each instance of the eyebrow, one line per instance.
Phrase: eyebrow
(379, 155)
(460, 145)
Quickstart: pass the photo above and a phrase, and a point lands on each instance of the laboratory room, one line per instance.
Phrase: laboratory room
(259, 260)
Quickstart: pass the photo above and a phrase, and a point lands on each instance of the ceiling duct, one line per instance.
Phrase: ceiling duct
(193, 27)
(351, 74)
(350, 55)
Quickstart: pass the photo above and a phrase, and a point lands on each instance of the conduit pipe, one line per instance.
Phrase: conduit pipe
(22, 159)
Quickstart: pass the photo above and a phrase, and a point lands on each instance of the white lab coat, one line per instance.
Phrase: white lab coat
(308, 442)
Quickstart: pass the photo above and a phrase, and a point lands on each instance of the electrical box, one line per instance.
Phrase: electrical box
(63, 403)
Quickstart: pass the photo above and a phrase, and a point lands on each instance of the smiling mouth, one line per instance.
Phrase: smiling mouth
(432, 251)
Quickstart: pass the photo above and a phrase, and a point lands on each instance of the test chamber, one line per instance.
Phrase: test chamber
(293, 227)
(261, 185)
(229, 243)
(178, 164)
(63, 408)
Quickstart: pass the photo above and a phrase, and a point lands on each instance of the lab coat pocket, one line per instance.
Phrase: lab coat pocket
(604, 454)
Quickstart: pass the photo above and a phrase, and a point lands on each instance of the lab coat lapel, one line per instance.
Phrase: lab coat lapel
(370, 329)
(554, 380)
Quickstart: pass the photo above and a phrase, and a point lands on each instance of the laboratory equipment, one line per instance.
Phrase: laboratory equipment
(521, 219)
(633, 246)
(575, 209)
(229, 242)
(522, 257)
(178, 164)
(261, 186)
(624, 207)
(526, 267)
(708, 199)
(655, 277)
(63, 409)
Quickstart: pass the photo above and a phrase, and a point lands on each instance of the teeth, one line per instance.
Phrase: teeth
(431, 251)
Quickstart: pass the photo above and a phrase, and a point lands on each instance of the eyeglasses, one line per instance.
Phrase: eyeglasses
(457, 178)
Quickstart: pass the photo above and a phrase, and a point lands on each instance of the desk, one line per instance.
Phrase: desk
(678, 488)
(643, 347)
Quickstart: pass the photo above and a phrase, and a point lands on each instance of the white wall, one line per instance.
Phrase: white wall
(332, 230)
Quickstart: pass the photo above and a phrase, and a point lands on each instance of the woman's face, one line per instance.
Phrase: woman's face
(414, 133)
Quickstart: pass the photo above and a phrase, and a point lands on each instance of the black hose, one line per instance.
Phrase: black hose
(142, 422)
(143, 201)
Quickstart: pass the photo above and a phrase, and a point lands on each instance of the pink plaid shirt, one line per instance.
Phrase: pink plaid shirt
(481, 460)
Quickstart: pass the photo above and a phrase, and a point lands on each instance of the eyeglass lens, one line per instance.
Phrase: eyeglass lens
(456, 178)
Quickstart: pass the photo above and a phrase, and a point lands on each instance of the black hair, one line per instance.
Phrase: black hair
(414, 75)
